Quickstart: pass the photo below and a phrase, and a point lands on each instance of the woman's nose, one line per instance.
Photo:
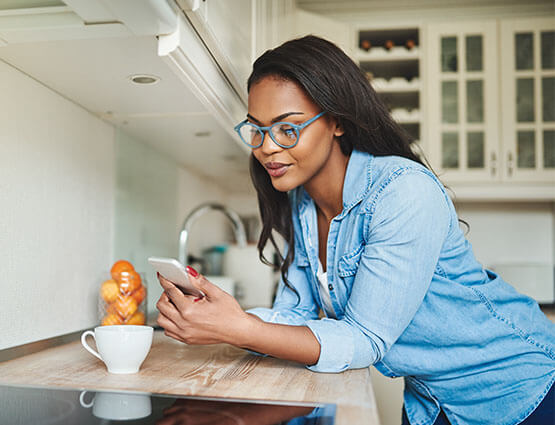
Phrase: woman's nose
(268, 145)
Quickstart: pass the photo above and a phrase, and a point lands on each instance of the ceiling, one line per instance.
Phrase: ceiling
(93, 72)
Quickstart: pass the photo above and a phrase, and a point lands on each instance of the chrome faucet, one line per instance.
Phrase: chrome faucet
(238, 228)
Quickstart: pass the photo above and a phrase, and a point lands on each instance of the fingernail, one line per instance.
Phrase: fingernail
(197, 299)
(192, 271)
(158, 275)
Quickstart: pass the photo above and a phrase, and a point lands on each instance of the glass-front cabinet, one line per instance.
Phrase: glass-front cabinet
(528, 99)
(463, 119)
(478, 98)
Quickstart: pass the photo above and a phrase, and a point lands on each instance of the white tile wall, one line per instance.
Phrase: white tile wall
(510, 232)
(145, 208)
(56, 210)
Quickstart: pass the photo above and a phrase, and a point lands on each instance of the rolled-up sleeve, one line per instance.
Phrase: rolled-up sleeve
(407, 227)
(288, 309)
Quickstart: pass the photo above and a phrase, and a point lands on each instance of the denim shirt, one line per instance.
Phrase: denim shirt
(412, 300)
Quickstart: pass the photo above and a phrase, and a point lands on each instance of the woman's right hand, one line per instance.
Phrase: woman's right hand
(215, 318)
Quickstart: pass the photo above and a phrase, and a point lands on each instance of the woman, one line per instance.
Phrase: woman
(373, 241)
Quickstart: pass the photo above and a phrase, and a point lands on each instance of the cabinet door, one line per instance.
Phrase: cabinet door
(528, 99)
(226, 28)
(462, 94)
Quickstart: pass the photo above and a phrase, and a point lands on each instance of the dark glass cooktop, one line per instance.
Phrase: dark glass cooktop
(40, 406)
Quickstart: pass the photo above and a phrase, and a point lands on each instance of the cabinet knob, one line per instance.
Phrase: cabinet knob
(510, 163)
(493, 163)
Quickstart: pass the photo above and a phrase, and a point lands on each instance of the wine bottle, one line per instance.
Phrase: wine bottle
(366, 45)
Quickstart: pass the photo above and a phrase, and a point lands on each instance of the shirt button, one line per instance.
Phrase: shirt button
(330, 287)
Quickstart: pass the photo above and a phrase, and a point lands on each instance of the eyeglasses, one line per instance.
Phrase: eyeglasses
(284, 134)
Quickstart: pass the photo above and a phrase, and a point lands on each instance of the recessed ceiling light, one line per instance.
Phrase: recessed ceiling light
(203, 133)
(144, 79)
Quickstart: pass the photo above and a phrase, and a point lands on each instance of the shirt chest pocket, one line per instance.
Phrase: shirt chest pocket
(348, 263)
(301, 259)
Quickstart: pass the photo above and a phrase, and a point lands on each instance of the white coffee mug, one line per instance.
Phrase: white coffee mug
(118, 406)
(123, 348)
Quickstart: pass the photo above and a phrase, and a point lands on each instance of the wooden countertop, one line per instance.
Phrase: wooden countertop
(210, 371)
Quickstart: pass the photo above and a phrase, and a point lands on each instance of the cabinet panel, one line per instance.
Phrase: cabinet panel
(528, 99)
(474, 53)
(475, 149)
(475, 101)
(227, 29)
(449, 102)
(548, 99)
(548, 49)
(462, 94)
(232, 25)
(549, 148)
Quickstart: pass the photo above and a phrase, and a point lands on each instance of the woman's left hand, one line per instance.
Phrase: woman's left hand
(212, 319)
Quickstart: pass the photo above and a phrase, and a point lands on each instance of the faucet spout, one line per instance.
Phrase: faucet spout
(238, 227)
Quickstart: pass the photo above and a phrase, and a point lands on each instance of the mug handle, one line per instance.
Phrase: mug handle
(84, 342)
(82, 400)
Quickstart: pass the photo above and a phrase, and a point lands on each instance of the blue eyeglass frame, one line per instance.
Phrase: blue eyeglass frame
(262, 130)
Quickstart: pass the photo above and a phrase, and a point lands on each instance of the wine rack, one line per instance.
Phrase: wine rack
(390, 58)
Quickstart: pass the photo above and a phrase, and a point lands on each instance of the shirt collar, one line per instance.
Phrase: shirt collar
(356, 184)
(357, 179)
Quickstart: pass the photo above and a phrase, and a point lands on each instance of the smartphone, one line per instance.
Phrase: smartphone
(175, 272)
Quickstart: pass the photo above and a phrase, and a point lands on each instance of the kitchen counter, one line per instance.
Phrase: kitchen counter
(210, 371)
(549, 311)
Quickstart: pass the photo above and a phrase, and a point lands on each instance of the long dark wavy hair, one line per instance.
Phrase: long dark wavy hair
(337, 85)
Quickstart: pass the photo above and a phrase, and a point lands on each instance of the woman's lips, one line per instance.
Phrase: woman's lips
(276, 169)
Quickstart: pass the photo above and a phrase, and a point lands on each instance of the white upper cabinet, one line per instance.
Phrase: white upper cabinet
(491, 107)
(227, 29)
(528, 99)
(463, 120)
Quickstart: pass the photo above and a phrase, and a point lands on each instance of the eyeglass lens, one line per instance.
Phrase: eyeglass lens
(284, 134)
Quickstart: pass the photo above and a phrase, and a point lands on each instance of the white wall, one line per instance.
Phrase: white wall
(510, 232)
(56, 210)
(145, 208)
(212, 227)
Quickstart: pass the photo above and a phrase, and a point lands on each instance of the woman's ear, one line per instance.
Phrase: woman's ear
(336, 126)
(338, 130)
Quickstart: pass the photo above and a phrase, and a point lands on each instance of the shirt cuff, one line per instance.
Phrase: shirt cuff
(266, 314)
(336, 345)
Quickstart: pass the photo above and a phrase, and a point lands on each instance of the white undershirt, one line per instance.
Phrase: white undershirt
(324, 291)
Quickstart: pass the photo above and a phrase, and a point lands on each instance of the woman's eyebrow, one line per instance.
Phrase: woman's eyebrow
(276, 119)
